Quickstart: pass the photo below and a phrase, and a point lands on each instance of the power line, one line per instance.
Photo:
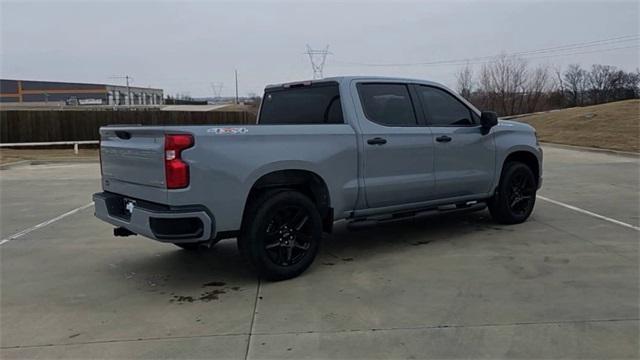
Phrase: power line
(554, 55)
(493, 58)
(584, 45)
(550, 50)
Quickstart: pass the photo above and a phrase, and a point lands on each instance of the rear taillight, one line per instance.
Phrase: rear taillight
(175, 169)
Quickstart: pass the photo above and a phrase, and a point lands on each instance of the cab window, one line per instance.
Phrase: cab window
(387, 104)
(314, 104)
(443, 109)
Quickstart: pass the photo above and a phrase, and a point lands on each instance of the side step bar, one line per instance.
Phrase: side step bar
(441, 210)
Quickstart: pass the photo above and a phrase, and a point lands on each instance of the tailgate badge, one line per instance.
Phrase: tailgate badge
(228, 130)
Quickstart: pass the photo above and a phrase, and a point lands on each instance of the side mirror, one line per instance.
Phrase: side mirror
(488, 119)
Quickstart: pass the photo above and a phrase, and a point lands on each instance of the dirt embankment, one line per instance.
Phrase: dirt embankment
(613, 126)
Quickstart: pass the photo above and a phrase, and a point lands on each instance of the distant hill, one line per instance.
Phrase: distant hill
(614, 126)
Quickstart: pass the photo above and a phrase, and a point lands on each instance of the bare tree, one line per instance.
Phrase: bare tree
(537, 84)
(575, 79)
(602, 80)
(558, 83)
(508, 86)
(464, 81)
(502, 81)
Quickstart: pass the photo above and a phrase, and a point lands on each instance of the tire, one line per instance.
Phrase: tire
(281, 234)
(515, 196)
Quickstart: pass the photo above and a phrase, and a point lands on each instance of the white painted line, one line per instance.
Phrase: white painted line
(43, 224)
(587, 212)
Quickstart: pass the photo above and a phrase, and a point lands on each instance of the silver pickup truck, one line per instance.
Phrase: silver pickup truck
(355, 148)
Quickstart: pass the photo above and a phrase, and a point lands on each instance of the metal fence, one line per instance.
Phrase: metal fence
(18, 126)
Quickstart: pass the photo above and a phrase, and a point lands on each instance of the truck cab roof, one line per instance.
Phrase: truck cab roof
(347, 79)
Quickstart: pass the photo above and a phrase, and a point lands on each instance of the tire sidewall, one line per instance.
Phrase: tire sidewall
(254, 241)
(511, 169)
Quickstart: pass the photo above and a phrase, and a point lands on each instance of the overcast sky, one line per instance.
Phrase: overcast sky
(184, 46)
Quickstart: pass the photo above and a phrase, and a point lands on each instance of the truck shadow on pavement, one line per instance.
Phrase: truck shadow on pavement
(185, 277)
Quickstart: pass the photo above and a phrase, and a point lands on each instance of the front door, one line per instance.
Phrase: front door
(464, 155)
(398, 153)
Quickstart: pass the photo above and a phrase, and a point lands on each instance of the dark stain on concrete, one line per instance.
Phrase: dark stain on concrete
(555, 260)
(205, 297)
(211, 295)
(182, 299)
(348, 259)
(418, 243)
(215, 283)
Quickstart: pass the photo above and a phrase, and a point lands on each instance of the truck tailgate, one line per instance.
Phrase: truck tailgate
(132, 160)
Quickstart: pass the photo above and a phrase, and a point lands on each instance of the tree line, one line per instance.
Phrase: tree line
(510, 86)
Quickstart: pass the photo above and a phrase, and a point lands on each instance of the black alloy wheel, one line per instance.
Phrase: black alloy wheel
(281, 234)
(515, 196)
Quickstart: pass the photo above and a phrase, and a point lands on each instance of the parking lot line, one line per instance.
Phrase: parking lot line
(71, 212)
(587, 212)
(45, 223)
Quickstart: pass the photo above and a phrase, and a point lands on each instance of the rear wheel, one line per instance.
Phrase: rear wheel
(515, 196)
(281, 234)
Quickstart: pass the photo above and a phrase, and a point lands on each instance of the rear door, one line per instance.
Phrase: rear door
(464, 156)
(397, 152)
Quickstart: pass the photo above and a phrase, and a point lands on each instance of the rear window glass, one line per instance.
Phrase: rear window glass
(387, 104)
(315, 104)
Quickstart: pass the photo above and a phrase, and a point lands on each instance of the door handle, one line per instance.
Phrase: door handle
(443, 138)
(377, 141)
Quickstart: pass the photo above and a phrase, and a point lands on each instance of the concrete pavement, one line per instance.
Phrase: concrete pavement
(562, 285)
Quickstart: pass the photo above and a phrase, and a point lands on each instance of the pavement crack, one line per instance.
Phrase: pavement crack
(423, 327)
(121, 341)
(602, 248)
(253, 318)
(447, 326)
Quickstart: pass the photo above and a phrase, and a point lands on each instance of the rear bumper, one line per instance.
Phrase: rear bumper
(158, 222)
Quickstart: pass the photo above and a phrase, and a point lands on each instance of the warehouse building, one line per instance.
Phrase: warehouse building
(28, 91)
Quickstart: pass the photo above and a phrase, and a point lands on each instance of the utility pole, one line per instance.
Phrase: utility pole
(317, 59)
(237, 102)
(127, 78)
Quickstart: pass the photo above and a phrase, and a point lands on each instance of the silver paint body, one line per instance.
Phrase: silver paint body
(410, 171)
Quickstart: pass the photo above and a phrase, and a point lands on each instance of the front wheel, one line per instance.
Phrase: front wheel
(281, 234)
(515, 196)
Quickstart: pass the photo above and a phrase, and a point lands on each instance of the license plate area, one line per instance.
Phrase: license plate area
(117, 207)
(127, 207)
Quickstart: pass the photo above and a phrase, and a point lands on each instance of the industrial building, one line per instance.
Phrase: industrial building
(29, 91)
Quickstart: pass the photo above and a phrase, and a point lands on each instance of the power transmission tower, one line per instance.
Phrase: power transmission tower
(317, 59)
(216, 87)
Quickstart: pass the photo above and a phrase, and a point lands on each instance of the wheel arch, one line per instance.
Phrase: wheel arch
(307, 182)
(526, 157)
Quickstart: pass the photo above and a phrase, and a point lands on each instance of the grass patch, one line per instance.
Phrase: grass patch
(613, 126)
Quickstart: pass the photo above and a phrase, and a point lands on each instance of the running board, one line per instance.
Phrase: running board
(470, 206)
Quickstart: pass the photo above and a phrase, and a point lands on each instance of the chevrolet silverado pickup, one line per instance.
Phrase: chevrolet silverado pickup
(363, 149)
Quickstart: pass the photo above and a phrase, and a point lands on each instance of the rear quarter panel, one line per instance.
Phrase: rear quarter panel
(224, 166)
